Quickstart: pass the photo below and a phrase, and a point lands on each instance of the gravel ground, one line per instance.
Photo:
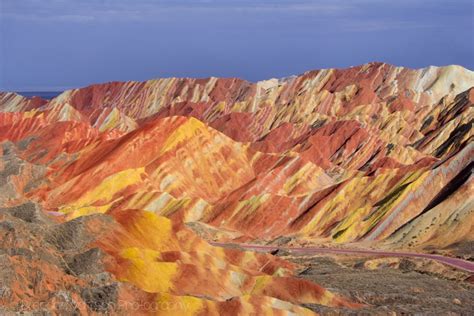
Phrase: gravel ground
(403, 289)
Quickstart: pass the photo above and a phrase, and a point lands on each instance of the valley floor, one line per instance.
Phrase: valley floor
(390, 285)
(387, 285)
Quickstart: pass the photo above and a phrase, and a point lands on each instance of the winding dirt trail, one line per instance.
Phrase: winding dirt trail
(454, 262)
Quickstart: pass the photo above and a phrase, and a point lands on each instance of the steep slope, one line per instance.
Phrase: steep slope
(12, 102)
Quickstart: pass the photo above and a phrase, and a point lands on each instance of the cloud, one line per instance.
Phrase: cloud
(352, 15)
(87, 10)
(52, 18)
(382, 25)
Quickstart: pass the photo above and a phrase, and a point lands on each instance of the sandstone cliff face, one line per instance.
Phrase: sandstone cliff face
(375, 154)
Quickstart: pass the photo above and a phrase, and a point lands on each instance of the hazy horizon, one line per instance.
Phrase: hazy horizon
(61, 89)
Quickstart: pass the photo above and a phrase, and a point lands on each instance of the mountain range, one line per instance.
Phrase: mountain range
(115, 190)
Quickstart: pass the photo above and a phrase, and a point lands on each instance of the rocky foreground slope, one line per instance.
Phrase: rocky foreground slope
(375, 154)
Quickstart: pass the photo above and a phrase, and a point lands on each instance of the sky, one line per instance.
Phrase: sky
(50, 45)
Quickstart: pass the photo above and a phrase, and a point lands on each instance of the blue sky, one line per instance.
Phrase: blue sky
(57, 44)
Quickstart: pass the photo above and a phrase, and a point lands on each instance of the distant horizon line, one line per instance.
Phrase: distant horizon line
(80, 86)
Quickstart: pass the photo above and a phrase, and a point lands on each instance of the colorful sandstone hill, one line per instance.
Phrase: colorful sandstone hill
(376, 155)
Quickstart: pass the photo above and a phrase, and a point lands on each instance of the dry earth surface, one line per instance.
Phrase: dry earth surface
(391, 285)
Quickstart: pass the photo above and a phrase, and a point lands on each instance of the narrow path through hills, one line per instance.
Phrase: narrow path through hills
(454, 262)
